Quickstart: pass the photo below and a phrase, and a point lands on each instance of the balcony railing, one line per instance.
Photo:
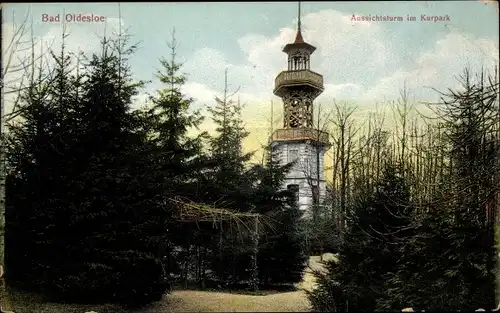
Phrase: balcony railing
(285, 134)
(298, 77)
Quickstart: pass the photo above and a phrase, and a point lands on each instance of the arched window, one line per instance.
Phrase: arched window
(293, 155)
(294, 188)
(315, 195)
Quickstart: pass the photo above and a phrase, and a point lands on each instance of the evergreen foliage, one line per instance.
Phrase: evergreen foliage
(457, 233)
(90, 184)
(85, 203)
(282, 257)
(369, 250)
(436, 251)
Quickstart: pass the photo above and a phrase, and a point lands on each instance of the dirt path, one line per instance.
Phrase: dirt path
(204, 301)
(199, 301)
(189, 301)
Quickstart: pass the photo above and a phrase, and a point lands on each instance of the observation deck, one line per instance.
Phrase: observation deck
(298, 78)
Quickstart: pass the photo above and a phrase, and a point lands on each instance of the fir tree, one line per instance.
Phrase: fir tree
(99, 179)
(179, 156)
(38, 146)
(369, 251)
(173, 117)
(455, 240)
(282, 257)
(231, 177)
(229, 181)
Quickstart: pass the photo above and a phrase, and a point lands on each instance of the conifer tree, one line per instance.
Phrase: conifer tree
(370, 250)
(173, 116)
(282, 257)
(88, 176)
(38, 144)
(229, 181)
(179, 156)
(455, 239)
(119, 182)
(230, 176)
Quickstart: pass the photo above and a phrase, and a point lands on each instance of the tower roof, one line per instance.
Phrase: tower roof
(299, 40)
(298, 37)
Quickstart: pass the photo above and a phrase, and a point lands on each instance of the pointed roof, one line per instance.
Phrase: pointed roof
(298, 37)
(299, 40)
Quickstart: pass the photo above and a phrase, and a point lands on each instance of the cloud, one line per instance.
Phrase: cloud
(439, 67)
(201, 92)
(358, 60)
(343, 47)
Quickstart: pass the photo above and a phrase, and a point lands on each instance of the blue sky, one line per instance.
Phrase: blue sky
(362, 62)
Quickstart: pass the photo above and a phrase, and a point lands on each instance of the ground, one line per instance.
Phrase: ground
(196, 301)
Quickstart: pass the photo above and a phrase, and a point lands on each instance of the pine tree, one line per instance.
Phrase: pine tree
(370, 250)
(122, 246)
(230, 176)
(456, 236)
(282, 256)
(38, 146)
(229, 181)
(87, 174)
(180, 157)
(173, 117)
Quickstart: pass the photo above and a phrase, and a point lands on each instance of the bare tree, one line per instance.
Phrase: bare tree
(312, 169)
(401, 110)
(19, 70)
(343, 129)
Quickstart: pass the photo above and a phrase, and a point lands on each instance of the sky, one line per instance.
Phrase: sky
(363, 62)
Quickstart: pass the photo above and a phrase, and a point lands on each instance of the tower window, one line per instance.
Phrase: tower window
(295, 190)
(293, 154)
(313, 167)
(315, 194)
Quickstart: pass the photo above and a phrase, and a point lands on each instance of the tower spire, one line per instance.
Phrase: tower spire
(299, 19)
(298, 37)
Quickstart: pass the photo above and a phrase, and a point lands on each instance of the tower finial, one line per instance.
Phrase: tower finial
(298, 38)
(298, 28)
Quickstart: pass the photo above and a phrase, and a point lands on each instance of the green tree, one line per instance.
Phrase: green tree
(88, 175)
(38, 143)
(370, 249)
(172, 117)
(180, 157)
(281, 257)
(456, 241)
(230, 176)
(230, 182)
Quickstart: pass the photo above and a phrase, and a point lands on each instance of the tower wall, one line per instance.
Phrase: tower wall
(303, 173)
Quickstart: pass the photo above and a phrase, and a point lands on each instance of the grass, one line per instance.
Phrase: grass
(25, 302)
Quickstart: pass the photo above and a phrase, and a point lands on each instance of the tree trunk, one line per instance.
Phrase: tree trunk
(2, 190)
(203, 272)
(254, 280)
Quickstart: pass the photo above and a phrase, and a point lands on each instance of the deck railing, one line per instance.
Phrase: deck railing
(298, 77)
(301, 134)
